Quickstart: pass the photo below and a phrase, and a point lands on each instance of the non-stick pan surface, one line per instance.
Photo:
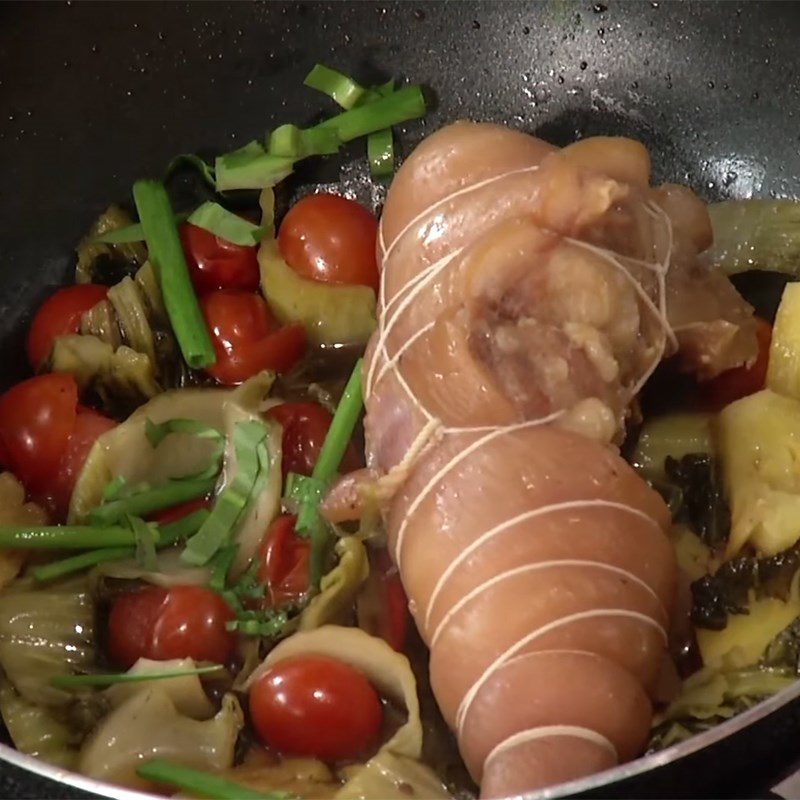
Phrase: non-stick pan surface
(94, 96)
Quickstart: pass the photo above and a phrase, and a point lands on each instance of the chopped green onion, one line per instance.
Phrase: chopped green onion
(204, 784)
(64, 537)
(145, 543)
(113, 488)
(215, 219)
(156, 433)
(251, 167)
(66, 566)
(205, 169)
(289, 141)
(400, 106)
(131, 233)
(268, 624)
(342, 89)
(146, 502)
(110, 679)
(304, 494)
(169, 263)
(380, 153)
(232, 504)
(167, 535)
(222, 563)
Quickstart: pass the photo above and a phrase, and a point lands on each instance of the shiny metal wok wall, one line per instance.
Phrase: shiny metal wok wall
(94, 96)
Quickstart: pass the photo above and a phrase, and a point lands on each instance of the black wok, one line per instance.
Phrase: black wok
(94, 96)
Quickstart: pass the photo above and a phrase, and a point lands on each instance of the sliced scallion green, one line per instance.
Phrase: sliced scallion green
(251, 167)
(156, 434)
(380, 153)
(342, 89)
(204, 169)
(66, 566)
(231, 505)
(215, 219)
(221, 564)
(145, 550)
(112, 678)
(169, 263)
(204, 784)
(65, 537)
(142, 503)
(132, 233)
(289, 141)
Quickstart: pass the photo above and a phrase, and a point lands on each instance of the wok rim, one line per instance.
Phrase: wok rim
(599, 780)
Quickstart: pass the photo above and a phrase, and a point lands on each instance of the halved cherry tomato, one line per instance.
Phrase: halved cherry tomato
(88, 426)
(60, 315)
(305, 426)
(284, 561)
(315, 706)
(180, 511)
(215, 263)
(37, 417)
(330, 239)
(247, 338)
(162, 624)
(382, 602)
(739, 382)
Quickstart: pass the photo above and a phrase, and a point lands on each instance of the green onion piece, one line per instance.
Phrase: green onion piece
(146, 502)
(268, 624)
(145, 543)
(304, 494)
(251, 167)
(289, 141)
(380, 153)
(65, 537)
(205, 169)
(222, 563)
(156, 433)
(113, 488)
(132, 233)
(110, 679)
(232, 504)
(403, 105)
(182, 528)
(340, 88)
(169, 263)
(215, 219)
(204, 784)
(66, 566)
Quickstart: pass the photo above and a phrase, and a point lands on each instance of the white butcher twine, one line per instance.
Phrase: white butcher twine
(549, 731)
(503, 658)
(534, 567)
(571, 505)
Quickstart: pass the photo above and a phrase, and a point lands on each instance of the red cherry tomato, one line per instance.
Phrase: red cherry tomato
(162, 624)
(315, 706)
(180, 511)
(60, 315)
(330, 239)
(88, 426)
(733, 384)
(246, 337)
(37, 417)
(305, 426)
(382, 603)
(215, 263)
(284, 561)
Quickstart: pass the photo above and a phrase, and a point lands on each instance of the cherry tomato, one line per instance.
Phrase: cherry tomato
(284, 561)
(246, 337)
(317, 707)
(739, 382)
(162, 624)
(382, 603)
(37, 417)
(215, 263)
(305, 426)
(88, 426)
(180, 511)
(60, 315)
(330, 239)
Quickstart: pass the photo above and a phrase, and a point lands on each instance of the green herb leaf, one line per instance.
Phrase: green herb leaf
(342, 89)
(380, 153)
(145, 543)
(203, 783)
(232, 504)
(196, 163)
(109, 679)
(215, 219)
(166, 256)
